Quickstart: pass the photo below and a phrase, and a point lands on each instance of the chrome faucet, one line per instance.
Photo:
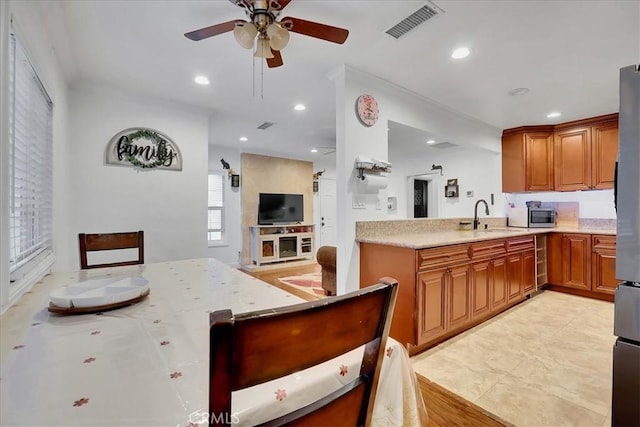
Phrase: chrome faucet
(476, 221)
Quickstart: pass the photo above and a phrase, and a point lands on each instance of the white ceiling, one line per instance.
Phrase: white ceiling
(568, 53)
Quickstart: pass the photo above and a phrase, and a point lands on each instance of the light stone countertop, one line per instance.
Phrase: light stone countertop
(443, 238)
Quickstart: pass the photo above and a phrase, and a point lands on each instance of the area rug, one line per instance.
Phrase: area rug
(309, 283)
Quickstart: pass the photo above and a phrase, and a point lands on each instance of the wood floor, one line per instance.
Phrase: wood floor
(445, 409)
(271, 276)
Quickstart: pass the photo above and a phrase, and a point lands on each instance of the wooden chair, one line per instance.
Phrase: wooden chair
(111, 241)
(256, 347)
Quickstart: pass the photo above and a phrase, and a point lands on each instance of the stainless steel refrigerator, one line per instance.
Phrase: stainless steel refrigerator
(626, 351)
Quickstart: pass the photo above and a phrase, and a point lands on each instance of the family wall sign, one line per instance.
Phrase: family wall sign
(143, 148)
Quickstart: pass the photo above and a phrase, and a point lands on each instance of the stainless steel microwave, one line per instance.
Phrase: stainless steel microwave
(531, 217)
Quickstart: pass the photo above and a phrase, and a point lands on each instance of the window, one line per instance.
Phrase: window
(216, 207)
(30, 170)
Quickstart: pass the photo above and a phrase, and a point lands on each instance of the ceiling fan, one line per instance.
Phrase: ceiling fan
(270, 33)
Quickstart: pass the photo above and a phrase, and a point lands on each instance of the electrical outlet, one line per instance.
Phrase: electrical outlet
(358, 203)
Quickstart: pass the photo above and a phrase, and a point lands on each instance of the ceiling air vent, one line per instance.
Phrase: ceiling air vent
(444, 145)
(266, 125)
(427, 11)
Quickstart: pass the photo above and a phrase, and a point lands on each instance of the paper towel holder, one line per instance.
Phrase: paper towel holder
(365, 164)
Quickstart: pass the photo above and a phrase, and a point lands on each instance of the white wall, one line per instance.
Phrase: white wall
(170, 206)
(593, 204)
(352, 139)
(229, 251)
(476, 169)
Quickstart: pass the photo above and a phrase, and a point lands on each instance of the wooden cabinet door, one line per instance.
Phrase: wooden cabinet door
(498, 283)
(539, 161)
(432, 302)
(459, 297)
(603, 271)
(554, 258)
(528, 272)
(480, 289)
(604, 152)
(514, 277)
(603, 264)
(513, 160)
(572, 159)
(576, 268)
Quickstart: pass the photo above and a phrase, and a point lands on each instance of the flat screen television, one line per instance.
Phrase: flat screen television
(277, 208)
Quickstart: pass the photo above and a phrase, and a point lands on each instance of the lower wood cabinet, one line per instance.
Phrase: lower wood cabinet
(498, 283)
(445, 290)
(514, 275)
(432, 303)
(481, 284)
(603, 264)
(488, 287)
(584, 262)
(443, 301)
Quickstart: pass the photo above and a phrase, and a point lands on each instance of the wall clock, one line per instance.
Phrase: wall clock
(367, 110)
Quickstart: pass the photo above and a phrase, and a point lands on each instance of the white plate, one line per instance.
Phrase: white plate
(97, 292)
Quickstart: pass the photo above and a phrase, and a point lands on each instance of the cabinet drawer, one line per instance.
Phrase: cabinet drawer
(490, 248)
(438, 257)
(523, 243)
(599, 241)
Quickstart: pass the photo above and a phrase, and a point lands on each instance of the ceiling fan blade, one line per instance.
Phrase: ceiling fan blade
(276, 61)
(278, 4)
(314, 29)
(213, 30)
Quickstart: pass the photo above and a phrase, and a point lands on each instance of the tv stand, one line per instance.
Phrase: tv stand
(280, 243)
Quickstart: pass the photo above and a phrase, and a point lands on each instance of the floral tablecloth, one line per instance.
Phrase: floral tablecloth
(147, 364)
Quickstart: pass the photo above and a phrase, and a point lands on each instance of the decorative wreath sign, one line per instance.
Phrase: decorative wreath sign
(143, 148)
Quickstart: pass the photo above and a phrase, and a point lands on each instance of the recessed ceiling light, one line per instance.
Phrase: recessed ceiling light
(554, 114)
(314, 150)
(518, 91)
(244, 138)
(461, 52)
(431, 141)
(201, 80)
(299, 107)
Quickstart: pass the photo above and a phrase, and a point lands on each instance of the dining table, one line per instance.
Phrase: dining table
(147, 364)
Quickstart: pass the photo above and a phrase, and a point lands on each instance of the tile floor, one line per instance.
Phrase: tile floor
(546, 362)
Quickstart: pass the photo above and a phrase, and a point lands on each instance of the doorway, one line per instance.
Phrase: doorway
(327, 193)
(420, 198)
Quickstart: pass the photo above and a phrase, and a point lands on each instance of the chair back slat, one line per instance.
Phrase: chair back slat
(256, 347)
(110, 241)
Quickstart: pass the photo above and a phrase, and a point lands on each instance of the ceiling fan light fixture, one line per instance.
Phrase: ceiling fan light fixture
(245, 33)
(278, 36)
(263, 49)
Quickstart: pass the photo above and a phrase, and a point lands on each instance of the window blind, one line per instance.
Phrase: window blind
(30, 166)
(216, 206)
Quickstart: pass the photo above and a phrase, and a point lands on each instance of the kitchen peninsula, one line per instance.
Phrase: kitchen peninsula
(451, 280)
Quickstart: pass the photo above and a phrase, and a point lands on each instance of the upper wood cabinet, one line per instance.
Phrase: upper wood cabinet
(571, 156)
(604, 152)
(573, 159)
(527, 160)
(585, 155)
